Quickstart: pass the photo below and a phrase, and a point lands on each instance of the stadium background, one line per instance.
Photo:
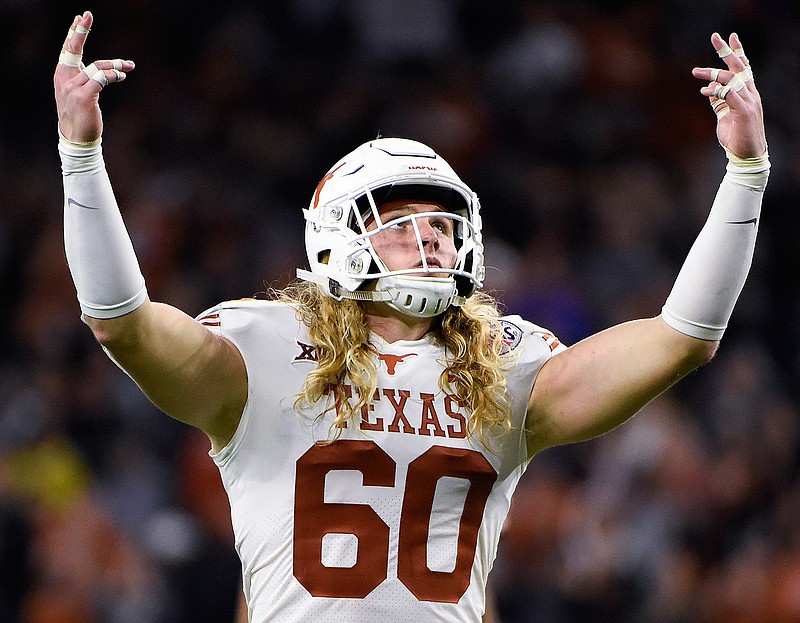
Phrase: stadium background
(582, 130)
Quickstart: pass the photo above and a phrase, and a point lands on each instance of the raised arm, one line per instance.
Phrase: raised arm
(190, 373)
(603, 380)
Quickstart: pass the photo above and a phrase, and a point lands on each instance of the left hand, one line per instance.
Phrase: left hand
(740, 116)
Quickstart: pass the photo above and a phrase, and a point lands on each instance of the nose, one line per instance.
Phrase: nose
(428, 233)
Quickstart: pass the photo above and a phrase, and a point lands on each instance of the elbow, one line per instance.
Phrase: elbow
(109, 334)
(117, 334)
(692, 351)
(700, 352)
(100, 330)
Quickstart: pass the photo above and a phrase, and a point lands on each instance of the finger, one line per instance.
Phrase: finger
(738, 49)
(108, 64)
(715, 90)
(731, 97)
(720, 107)
(105, 72)
(713, 74)
(725, 80)
(725, 52)
(723, 91)
(72, 50)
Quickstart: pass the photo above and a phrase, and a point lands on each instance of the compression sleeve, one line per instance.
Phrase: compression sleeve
(714, 272)
(99, 251)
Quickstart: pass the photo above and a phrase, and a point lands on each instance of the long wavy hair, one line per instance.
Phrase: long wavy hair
(474, 361)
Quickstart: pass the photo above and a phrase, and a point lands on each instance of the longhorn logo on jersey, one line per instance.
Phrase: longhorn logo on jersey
(391, 361)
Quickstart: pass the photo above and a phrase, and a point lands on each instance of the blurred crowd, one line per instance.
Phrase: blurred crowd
(581, 128)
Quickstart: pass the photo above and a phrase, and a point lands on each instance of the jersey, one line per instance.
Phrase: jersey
(400, 517)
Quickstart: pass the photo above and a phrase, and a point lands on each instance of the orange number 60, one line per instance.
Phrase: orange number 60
(314, 518)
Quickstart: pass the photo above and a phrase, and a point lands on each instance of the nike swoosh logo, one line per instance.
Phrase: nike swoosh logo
(750, 221)
(71, 202)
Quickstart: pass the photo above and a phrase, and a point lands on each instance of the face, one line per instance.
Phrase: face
(397, 245)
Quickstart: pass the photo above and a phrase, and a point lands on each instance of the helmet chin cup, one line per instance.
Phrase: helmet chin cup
(420, 297)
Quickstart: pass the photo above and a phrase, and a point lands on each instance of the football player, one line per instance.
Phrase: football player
(372, 420)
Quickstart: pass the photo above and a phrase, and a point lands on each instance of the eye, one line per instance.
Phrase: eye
(443, 225)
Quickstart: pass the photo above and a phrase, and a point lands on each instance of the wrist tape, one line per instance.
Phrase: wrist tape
(714, 272)
(99, 251)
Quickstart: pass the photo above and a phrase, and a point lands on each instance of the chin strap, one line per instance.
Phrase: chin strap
(334, 289)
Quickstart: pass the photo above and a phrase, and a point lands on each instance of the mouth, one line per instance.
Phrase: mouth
(431, 262)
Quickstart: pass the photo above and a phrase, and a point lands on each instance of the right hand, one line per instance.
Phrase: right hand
(77, 92)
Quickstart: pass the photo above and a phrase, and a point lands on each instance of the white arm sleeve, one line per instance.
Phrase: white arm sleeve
(709, 283)
(99, 251)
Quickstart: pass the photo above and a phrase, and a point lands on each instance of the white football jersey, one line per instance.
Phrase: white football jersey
(399, 519)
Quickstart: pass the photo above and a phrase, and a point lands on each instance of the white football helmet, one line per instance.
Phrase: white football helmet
(340, 253)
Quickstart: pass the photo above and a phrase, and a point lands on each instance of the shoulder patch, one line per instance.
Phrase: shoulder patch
(511, 335)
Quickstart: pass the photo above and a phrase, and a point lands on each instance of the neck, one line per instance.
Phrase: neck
(392, 326)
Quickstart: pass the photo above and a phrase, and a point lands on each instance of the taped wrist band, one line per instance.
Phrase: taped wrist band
(80, 158)
(75, 144)
(757, 164)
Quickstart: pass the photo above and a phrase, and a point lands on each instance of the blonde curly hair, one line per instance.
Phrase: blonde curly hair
(474, 361)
